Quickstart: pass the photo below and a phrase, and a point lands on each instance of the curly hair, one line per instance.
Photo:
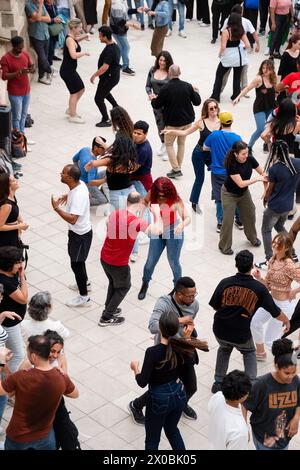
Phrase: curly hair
(164, 185)
(121, 121)
(123, 158)
(40, 306)
(168, 58)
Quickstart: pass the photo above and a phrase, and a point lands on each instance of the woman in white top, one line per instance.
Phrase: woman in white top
(38, 309)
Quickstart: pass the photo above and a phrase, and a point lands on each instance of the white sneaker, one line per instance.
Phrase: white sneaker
(49, 77)
(76, 119)
(204, 25)
(162, 150)
(80, 302)
(165, 158)
(75, 287)
(187, 20)
(199, 21)
(67, 112)
(44, 80)
(29, 149)
(31, 142)
(182, 34)
(169, 33)
(133, 257)
(267, 51)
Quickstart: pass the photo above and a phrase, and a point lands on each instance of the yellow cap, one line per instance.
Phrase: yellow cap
(226, 118)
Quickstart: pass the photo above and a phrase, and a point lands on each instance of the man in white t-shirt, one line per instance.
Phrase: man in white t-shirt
(228, 429)
(249, 30)
(77, 215)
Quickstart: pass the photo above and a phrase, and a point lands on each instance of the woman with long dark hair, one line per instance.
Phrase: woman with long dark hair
(208, 122)
(282, 271)
(11, 223)
(274, 401)
(264, 103)
(232, 55)
(121, 122)
(235, 193)
(158, 77)
(174, 218)
(288, 62)
(166, 398)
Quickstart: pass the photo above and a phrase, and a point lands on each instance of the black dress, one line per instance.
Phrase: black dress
(11, 237)
(68, 70)
(90, 11)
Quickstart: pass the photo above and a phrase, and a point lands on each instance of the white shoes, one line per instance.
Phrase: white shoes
(165, 158)
(79, 301)
(44, 80)
(169, 33)
(29, 149)
(75, 287)
(204, 25)
(133, 257)
(76, 119)
(267, 51)
(162, 150)
(182, 34)
(67, 112)
(31, 142)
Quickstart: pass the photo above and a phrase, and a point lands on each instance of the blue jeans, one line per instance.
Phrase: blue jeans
(123, 44)
(118, 197)
(219, 213)
(260, 446)
(15, 343)
(181, 13)
(260, 119)
(163, 411)
(47, 443)
(19, 108)
(140, 188)
(3, 401)
(199, 160)
(157, 245)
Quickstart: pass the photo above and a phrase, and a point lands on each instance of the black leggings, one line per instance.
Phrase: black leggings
(79, 269)
(104, 92)
(221, 70)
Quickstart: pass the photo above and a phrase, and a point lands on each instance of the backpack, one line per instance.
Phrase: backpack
(18, 144)
(5, 162)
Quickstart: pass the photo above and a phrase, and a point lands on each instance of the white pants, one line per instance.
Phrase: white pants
(265, 328)
(15, 343)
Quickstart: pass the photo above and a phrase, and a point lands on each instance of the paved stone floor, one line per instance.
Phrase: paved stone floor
(99, 358)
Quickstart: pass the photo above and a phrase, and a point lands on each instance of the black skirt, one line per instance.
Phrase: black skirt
(72, 80)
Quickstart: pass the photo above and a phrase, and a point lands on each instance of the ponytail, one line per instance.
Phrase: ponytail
(180, 347)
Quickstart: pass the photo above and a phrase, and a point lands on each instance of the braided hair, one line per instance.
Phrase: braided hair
(279, 153)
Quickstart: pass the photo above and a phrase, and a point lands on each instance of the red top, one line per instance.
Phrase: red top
(122, 230)
(19, 86)
(292, 80)
(167, 214)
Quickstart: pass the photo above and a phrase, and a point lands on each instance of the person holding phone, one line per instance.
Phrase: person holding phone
(16, 67)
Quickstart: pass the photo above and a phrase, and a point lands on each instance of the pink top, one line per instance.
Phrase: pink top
(282, 7)
(281, 274)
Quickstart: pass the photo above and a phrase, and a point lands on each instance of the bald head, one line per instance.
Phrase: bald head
(174, 71)
(133, 198)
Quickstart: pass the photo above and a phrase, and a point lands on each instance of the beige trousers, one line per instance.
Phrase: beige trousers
(105, 13)
(175, 159)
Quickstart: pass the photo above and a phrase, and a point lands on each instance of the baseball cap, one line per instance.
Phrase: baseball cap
(226, 118)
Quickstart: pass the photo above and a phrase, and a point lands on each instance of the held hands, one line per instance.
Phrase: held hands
(188, 330)
(186, 320)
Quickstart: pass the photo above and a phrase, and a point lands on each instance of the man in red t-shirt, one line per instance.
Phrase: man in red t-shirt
(123, 227)
(291, 83)
(16, 65)
(38, 392)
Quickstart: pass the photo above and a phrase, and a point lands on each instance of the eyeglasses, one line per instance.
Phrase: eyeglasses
(189, 296)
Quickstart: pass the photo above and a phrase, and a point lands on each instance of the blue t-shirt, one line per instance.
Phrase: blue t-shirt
(39, 29)
(82, 158)
(144, 153)
(219, 143)
(282, 197)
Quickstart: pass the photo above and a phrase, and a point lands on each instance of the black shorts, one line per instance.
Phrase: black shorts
(72, 80)
(79, 246)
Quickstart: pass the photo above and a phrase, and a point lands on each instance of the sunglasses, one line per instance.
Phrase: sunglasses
(212, 108)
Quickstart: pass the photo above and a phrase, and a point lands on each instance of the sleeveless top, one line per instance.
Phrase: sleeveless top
(265, 98)
(168, 215)
(69, 64)
(116, 181)
(288, 138)
(234, 54)
(204, 133)
(10, 237)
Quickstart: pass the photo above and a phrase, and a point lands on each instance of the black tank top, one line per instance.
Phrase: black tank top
(10, 237)
(117, 181)
(289, 139)
(233, 43)
(204, 133)
(265, 98)
(68, 63)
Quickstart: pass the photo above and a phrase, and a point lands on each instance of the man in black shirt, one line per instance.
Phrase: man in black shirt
(177, 99)
(108, 73)
(236, 300)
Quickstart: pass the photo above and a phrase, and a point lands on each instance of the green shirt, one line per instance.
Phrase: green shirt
(38, 30)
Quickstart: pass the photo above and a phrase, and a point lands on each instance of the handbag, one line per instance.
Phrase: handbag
(55, 29)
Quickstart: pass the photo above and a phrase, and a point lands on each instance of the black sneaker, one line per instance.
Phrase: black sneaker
(196, 208)
(256, 243)
(218, 229)
(104, 124)
(56, 58)
(150, 26)
(128, 71)
(239, 224)
(262, 265)
(116, 314)
(137, 415)
(142, 27)
(174, 174)
(114, 321)
(189, 413)
(216, 387)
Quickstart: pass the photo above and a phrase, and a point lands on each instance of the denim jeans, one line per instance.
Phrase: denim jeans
(260, 446)
(157, 245)
(247, 349)
(118, 197)
(140, 188)
(163, 411)
(47, 443)
(271, 220)
(96, 196)
(15, 343)
(19, 109)
(181, 13)
(3, 401)
(260, 119)
(123, 44)
(199, 160)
